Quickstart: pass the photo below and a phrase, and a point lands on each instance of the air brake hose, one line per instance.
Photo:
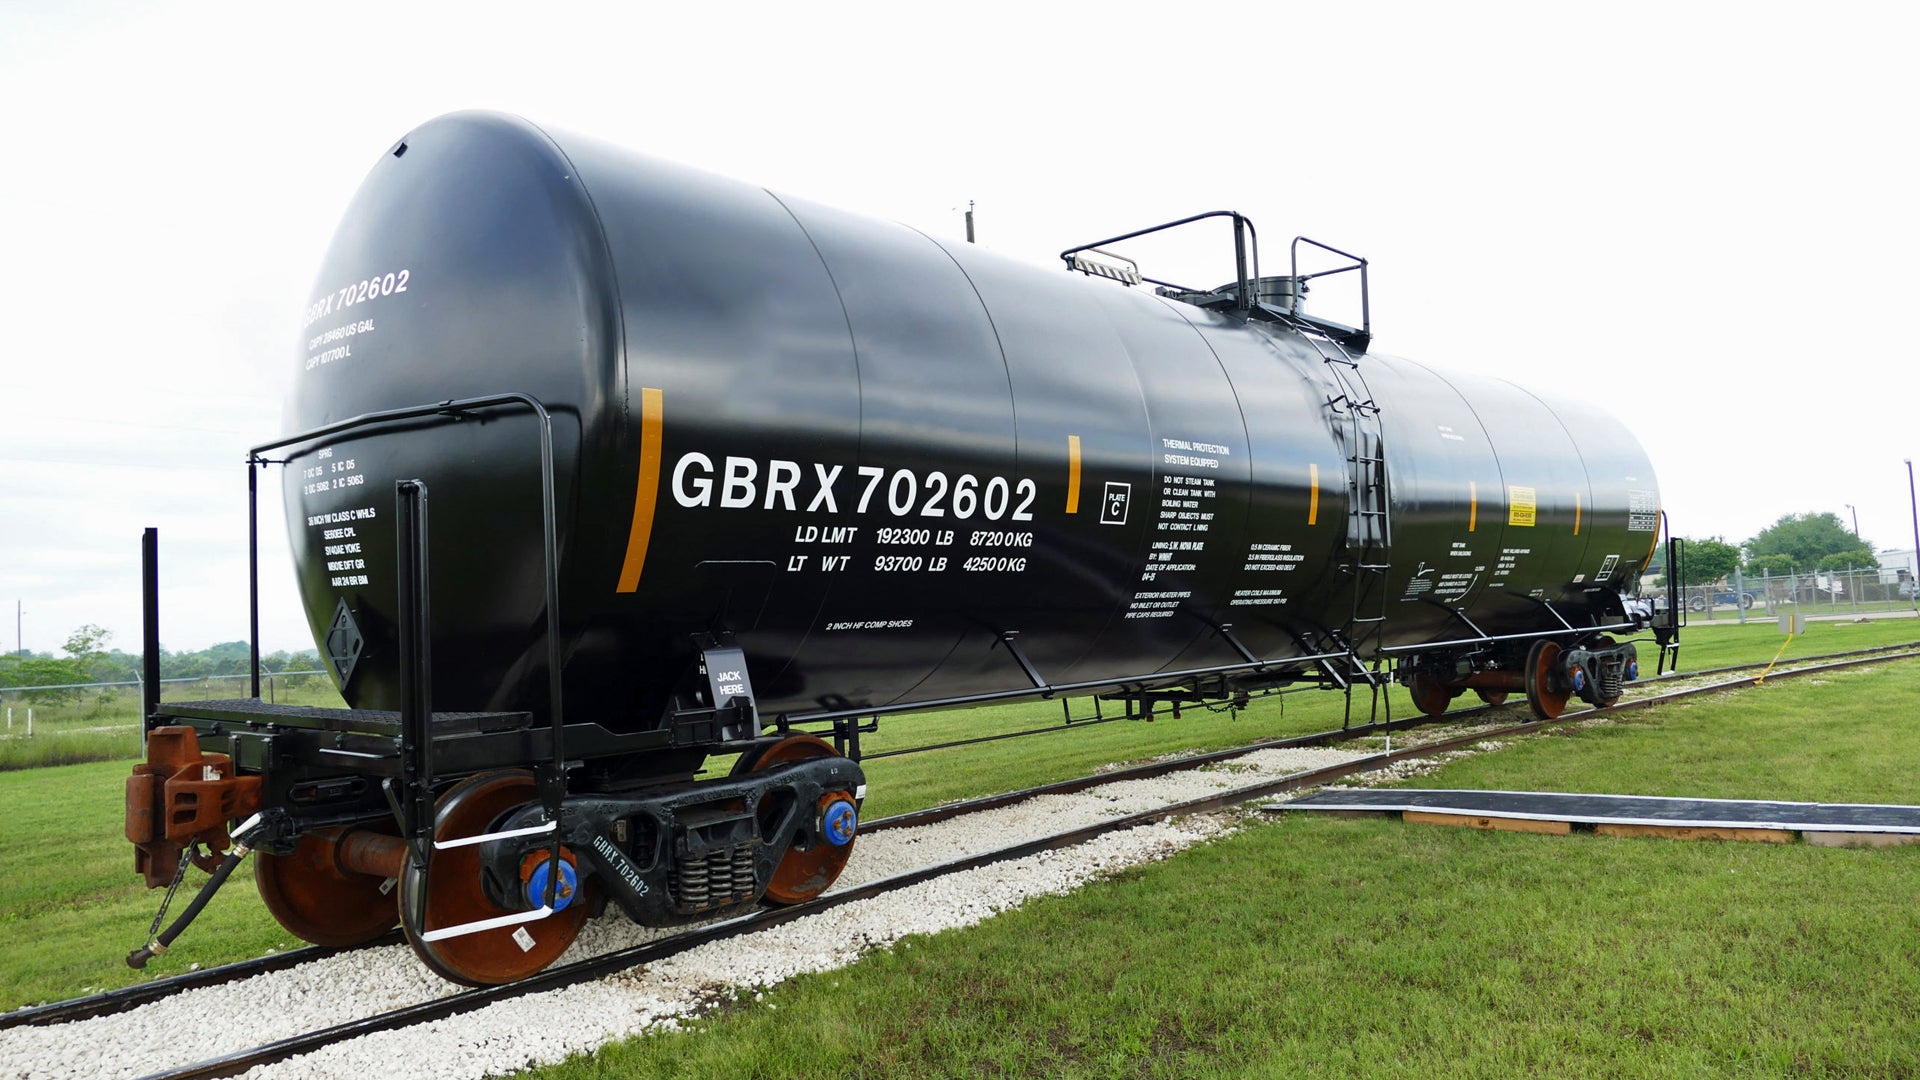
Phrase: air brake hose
(138, 958)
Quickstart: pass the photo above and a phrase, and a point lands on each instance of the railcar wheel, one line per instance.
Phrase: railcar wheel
(1493, 697)
(1546, 702)
(318, 900)
(1429, 694)
(813, 861)
(454, 894)
(750, 757)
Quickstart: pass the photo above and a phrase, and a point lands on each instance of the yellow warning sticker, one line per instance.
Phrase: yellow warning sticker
(1521, 505)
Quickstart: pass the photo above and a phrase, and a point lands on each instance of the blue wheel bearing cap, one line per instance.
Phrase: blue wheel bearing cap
(1633, 670)
(1579, 678)
(537, 885)
(839, 822)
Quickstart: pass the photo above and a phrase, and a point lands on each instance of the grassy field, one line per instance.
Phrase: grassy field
(1725, 642)
(105, 725)
(71, 908)
(1320, 947)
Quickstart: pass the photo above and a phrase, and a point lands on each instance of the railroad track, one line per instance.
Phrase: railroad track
(626, 958)
(1786, 665)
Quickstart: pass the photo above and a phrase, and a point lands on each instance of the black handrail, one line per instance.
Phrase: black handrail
(454, 409)
(1360, 264)
(415, 622)
(1242, 230)
(150, 632)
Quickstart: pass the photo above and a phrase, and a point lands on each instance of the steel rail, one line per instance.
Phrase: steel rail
(1373, 726)
(623, 959)
(945, 812)
(125, 998)
(131, 997)
(1795, 660)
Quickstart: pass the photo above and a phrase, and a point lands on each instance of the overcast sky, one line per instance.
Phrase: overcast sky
(1700, 215)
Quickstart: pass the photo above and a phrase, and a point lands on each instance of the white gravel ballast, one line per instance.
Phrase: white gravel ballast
(510, 1035)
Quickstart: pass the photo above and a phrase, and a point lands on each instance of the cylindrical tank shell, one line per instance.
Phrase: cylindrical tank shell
(873, 456)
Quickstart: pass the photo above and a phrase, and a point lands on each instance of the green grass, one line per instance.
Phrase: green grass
(1318, 947)
(1726, 642)
(928, 778)
(1312, 947)
(105, 725)
(1844, 736)
(71, 908)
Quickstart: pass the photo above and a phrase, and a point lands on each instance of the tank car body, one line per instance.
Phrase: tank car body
(877, 454)
(805, 467)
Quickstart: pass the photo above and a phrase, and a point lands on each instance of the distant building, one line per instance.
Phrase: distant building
(1897, 564)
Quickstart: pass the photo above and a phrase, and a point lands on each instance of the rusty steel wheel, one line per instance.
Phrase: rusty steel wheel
(1493, 697)
(320, 901)
(1430, 695)
(1546, 702)
(811, 863)
(454, 893)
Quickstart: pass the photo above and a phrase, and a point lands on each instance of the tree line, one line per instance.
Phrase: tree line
(1795, 544)
(88, 659)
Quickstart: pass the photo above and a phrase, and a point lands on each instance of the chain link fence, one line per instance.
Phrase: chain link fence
(1835, 592)
(66, 724)
(98, 697)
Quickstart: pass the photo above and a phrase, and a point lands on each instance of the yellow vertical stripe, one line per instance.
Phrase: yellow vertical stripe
(1073, 474)
(1313, 495)
(1473, 505)
(652, 407)
(1576, 513)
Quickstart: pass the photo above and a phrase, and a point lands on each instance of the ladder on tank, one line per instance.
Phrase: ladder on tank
(1352, 413)
(1355, 418)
